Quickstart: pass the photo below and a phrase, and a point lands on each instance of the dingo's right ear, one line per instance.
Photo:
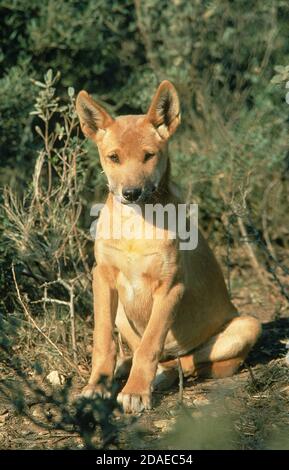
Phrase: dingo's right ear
(91, 115)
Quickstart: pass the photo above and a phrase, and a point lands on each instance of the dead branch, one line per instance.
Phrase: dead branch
(66, 303)
(37, 327)
(261, 273)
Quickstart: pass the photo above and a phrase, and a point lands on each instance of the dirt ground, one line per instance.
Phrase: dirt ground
(247, 411)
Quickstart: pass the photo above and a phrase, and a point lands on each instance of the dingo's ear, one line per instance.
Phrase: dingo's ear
(164, 111)
(91, 115)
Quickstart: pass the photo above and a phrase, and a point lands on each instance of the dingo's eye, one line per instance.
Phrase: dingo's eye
(114, 157)
(148, 156)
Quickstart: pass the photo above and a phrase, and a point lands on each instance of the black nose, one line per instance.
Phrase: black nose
(131, 194)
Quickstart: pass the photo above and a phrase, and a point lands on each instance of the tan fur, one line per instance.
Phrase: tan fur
(165, 302)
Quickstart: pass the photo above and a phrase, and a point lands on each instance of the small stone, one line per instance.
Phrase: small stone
(55, 379)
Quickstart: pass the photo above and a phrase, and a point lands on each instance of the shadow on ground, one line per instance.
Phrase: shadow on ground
(272, 343)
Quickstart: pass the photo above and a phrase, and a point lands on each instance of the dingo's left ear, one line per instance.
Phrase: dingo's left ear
(164, 111)
(91, 115)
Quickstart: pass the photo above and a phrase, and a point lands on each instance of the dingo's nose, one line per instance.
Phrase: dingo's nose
(131, 194)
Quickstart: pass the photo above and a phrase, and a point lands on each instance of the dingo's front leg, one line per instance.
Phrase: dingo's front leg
(104, 349)
(136, 394)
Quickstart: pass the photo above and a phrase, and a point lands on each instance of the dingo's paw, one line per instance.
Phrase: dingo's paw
(134, 402)
(93, 391)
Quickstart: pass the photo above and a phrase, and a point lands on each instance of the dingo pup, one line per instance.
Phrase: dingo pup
(166, 303)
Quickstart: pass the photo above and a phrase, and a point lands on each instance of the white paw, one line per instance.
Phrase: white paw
(93, 391)
(134, 403)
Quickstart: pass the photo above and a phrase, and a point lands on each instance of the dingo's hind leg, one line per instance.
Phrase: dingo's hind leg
(223, 354)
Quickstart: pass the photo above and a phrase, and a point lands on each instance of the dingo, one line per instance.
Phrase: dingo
(166, 303)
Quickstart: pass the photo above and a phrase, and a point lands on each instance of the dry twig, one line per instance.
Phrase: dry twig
(37, 327)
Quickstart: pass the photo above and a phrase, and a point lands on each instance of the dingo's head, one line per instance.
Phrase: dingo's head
(132, 148)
